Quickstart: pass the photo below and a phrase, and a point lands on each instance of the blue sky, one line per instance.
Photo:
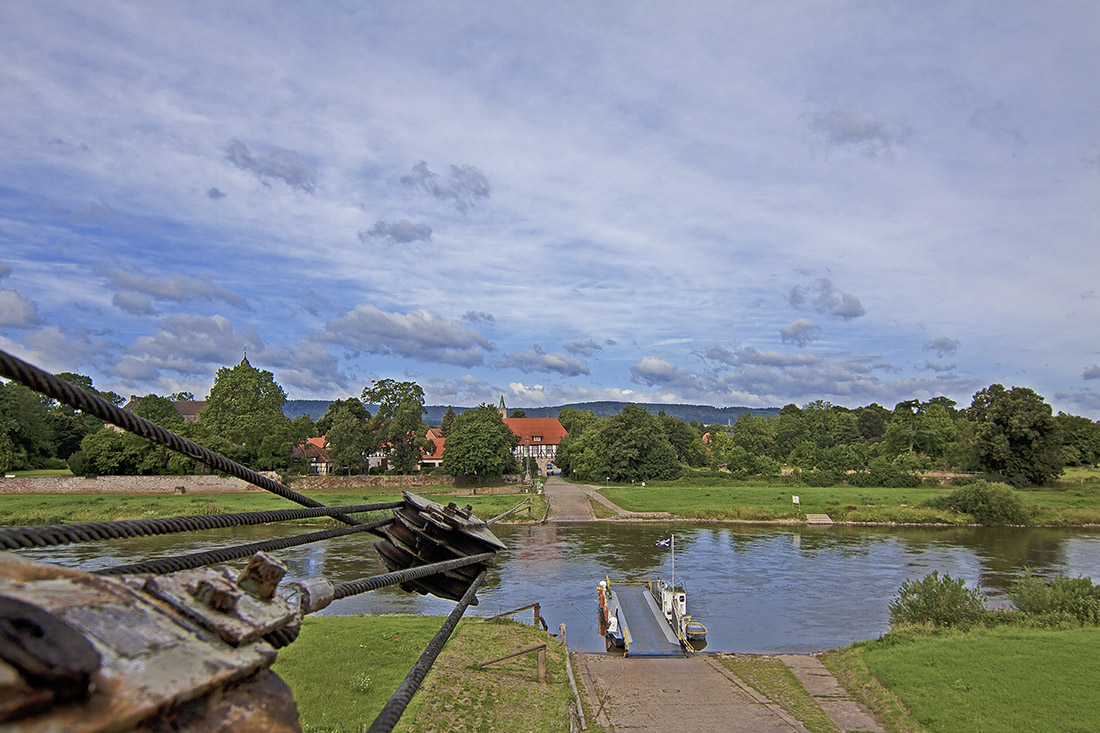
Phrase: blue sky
(720, 203)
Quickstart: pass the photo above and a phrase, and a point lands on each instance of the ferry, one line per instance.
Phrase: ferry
(648, 618)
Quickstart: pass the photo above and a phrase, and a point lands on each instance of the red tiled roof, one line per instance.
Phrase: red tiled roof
(436, 437)
(548, 429)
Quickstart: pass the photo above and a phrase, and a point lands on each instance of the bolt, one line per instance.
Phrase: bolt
(217, 593)
(262, 576)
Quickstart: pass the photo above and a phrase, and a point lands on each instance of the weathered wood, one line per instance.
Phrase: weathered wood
(541, 649)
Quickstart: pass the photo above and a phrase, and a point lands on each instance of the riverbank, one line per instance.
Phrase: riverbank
(38, 509)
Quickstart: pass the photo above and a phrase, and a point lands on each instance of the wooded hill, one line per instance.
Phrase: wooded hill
(705, 414)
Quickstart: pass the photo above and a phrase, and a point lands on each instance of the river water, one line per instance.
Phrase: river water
(758, 588)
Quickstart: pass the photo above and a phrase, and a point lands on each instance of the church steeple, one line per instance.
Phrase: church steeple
(502, 408)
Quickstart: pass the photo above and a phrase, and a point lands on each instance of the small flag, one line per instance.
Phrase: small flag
(796, 499)
(663, 543)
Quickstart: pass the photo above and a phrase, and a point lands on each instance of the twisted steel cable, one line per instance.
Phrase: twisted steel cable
(12, 538)
(225, 554)
(364, 585)
(393, 709)
(41, 381)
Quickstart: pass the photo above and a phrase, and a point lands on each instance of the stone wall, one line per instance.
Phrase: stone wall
(205, 484)
(126, 485)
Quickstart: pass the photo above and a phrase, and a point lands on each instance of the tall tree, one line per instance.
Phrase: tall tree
(480, 445)
(1015, 436)
(636, 447)
(447, 421)
(400, 421)
(350, 442)
(351, 404)
(1081, 440)
(245, 410)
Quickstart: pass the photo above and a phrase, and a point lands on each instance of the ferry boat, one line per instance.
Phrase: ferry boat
(649, 617)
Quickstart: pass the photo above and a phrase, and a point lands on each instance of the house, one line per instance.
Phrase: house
(539, 438)
(187, 409)
(316, 451)
(429, 461)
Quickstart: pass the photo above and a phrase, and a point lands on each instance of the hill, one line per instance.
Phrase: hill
(706, 414)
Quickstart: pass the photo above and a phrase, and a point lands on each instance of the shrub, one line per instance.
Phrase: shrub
(987, 503)
(1077, 597)
(939, 601)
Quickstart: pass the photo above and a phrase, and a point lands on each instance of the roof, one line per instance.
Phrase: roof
(187, 409)
(548, 429)
(436, 437)
(312, 451)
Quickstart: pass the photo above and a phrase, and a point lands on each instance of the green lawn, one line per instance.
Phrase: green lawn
(343, 670)
(34, 509)
(1065, 504)
(1001, 679)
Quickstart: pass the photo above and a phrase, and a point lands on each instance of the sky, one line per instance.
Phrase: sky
(724, 203)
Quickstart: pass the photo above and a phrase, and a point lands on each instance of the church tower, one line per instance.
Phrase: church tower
(503, 410)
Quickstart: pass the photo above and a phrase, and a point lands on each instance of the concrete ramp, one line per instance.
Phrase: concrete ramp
(646, 632)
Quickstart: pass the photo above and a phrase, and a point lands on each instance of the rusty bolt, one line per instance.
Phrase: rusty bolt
(262, 576)
(217, 593)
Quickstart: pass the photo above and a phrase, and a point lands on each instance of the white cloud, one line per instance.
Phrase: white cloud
(534, 359)
(419, 335)
(17, 310)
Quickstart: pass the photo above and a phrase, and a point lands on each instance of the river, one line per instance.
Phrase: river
(758, 588)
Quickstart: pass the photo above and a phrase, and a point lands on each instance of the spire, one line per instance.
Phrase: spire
(502, 408)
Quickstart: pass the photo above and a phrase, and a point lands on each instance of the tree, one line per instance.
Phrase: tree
(25, 436)
(447, 421)
(350, 441)
(245, 410)
(1015, 436)
(399, 422)
(480, 445)
(635, 447)
(518, 413)
(159, 410)
(684, 439)
(871, 421)
(351, 404)
(1081, 440)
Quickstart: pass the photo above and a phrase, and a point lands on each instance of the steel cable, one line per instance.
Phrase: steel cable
(225, 554)
(12, 538)
(41, 381)
(364, 585)
(393, 709)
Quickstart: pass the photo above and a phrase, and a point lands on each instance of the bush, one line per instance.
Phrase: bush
(987, 503)
(939, 601)
(77, 463)
(1076, 597)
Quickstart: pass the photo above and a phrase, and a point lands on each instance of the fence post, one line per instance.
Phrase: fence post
(542, 664)
(536, 620)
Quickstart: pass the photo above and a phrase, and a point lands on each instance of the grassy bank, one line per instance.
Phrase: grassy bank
(985, 679)
(34, 509)
(1071, 502)
(344, 669)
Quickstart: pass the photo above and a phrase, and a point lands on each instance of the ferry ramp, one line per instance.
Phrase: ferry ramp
(645, 629)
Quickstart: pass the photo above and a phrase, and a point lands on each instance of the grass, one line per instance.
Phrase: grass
(600, 510)
(35, 509)
(772, 678)
(1072, 502)
(343, 670)
(986, 679)
(40, 472)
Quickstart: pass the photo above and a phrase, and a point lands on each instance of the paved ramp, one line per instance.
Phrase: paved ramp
(644, 627)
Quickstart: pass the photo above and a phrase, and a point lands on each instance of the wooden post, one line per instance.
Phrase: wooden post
(536, 620)
(542, 664)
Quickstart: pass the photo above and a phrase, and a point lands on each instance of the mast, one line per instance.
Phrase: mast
(674, 565)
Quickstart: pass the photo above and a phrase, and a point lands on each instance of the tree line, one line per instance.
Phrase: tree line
(1010, 434)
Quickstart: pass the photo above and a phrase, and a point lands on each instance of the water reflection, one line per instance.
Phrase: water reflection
(757, 588)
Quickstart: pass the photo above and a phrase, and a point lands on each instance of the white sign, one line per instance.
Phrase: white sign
(796, 500)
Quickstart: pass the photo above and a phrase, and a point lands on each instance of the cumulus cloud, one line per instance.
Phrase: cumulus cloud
(655, 372)
(216, 193)
(848, 128)
(284, 165)
(801, 332)
(824, 297)
(17, 310)
(135, 303)
(933, 367)
(583, 348)
(535, 359)
(186, 344)
(1091, 372)
(942, 345)
(748, 356)
(419, 335)
(179, 288)
(401, 232)
(463, 187)
(479, 317)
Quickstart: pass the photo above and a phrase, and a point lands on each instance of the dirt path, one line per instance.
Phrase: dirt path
(569, 502)
(691, 694)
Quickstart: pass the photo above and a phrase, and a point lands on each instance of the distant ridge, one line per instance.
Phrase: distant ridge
(706, 414)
